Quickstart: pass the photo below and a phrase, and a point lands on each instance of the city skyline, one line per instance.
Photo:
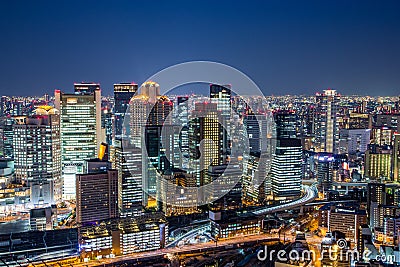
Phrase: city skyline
(200, 133)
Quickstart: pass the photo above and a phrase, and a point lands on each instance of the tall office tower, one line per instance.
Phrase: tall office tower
(80, 115)
(160, 154)
(96, 196)
(309, 165)
(396, 158)
(325, 172)
(154, 162)
(378, 160)
(128, 163)
(149, 120)
(182, 118)
(286, 124)
(326, 128)
(353, 141)
(254, 171)
(221, 95)
(107, 124)
(182, 110)
(37, 154)
(286, 168)
(6, 137)
(206, 137)
(148, 108)
(256, 128)
(123, 92)
(17, 107)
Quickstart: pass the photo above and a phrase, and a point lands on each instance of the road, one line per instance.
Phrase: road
(163, 252)
(310, 193)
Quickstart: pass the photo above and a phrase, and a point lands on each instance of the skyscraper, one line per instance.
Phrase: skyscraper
(123, 92)
(286, 168)
(256, 185)
(149, 113)
(128, 163)
(80, 115)
(325, 172)
(148, 108)
(206, 137)
(326, 128)
(107, 125)
(182, 119)
(286, 124)
(221, 95)
(256, 128)
(286, 164)
(37, 156)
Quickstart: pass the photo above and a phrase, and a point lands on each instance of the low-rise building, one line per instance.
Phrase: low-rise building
(123, 236)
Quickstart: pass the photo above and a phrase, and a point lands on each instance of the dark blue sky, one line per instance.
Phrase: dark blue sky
(286, 47)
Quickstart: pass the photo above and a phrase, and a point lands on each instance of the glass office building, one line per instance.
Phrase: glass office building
(80, 115)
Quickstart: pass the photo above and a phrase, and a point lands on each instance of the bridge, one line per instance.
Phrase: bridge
(310, 193)
(190, 234)
(340, 185)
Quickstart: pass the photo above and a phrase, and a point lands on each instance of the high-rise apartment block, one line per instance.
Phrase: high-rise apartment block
(326, 124)
(37, 155)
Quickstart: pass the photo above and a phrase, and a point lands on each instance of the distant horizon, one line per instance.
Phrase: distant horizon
(275, 95)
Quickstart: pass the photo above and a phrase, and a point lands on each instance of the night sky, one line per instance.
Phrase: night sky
(286, 47)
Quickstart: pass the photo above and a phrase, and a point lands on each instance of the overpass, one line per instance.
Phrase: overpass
(340, 185)
(190, 234)
(310, 193)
